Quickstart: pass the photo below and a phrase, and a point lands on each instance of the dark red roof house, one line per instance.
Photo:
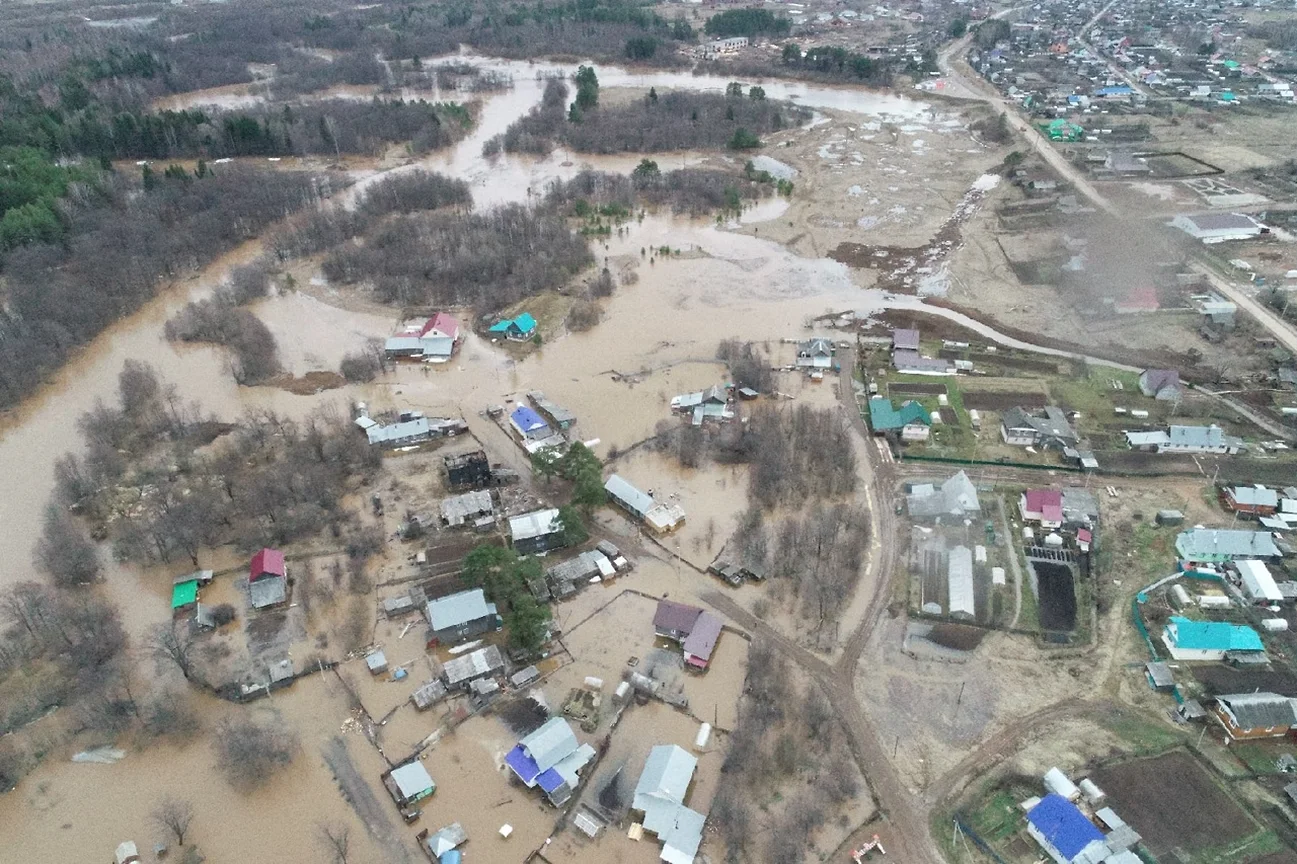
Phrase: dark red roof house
(266, 564)
(1044, 506)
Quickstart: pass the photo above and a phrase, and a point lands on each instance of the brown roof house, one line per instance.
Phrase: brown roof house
(1255, 715)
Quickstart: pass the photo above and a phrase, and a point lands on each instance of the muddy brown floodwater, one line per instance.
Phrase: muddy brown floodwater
(661, 332)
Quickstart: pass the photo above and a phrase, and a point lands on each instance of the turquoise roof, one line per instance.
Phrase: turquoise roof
(501, 326)
(525, 322)
(1214, 636)
(884, 418)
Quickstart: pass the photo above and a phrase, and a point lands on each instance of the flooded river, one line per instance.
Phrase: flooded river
(658, 338)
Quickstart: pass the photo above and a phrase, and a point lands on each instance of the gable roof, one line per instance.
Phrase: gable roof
(525, 322)
(905, 339)
(1225, 543)
(526, 419)
(665, 779)
(184, 593)
(1255, 496)
(630, 496)
(671, 615)
(441, 324)
(955, 497)
(454, 610)
(412, 779)
(1063, 825)
(1047, 502)
(1153, 380)
(1259, 710)
(550, 744)
(1214, 635)
(267, 562)
(268, 591)
(884, 418)
(701, 641)
(537, 523)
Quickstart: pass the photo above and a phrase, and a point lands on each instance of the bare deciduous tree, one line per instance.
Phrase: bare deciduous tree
(248, 752)
(174, 815)
(336, 840)
(173, 644)
(64, 551)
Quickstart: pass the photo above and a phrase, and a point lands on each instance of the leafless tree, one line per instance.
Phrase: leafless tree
(64, 551)
(336, 841)
(172, 644)
(174, 815)
(248, 752)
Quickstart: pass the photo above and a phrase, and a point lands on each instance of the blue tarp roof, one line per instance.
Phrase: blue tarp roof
(549, 781)
(522, 765)
(1063, 825)
(526, 419)
(1215, 636)
(1114, 91)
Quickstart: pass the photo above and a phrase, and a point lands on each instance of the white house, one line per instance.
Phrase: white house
(1218, 227)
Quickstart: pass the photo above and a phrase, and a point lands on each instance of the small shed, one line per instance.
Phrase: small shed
(429, 694)
(409, 783)
(377, 662)
(1159, 676)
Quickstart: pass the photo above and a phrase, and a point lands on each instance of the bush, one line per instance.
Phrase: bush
(743, 140)
(248, 752)
(223, 613)
(583, 315)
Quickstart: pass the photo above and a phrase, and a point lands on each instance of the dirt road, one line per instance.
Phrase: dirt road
(360, 796)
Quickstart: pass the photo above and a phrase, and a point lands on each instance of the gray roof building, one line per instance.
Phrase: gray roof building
(1215, 544)
(1079, 506)
(1053, 429)
(960, 580)
(461, 616)
(268, 591)
(1259, 710)
(905, 340)
(549, 744)
(457, 510)
(476, 664)
(957, 496)
(536, 531)
(660, 795)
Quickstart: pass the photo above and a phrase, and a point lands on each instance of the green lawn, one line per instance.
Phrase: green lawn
(1260, 844)
(1145, 735)
(998, 818)
(1259, 757)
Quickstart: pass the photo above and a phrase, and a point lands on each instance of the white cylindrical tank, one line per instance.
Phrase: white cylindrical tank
(1092, 793)
(1056, 781)
(1275, 625)
(704, 735)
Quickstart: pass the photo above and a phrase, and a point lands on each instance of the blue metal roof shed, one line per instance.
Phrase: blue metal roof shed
(527, 421)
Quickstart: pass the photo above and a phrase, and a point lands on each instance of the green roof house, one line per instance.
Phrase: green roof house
(911, 420)
(184, 594)
(1208, 640)
(519, 329)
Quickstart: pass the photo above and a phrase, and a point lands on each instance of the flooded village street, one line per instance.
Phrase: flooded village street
(760, 279)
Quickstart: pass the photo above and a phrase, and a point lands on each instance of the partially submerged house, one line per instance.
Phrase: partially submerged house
(1161, 384)
(660, 518)
(552, 759)
(518, 329)
(1208, 640)
(557, 416)
(409, 429)
(409, 784)
(1217, 545)
(434, 339)
(444, 842)
(462, 671)
(815, 354)
(536, 532)
(695, 630)
(1024, 429)
(956, 497)
(1042, 506)
(660, 795)
(460, 617)
(1245, 716)
(910, 422)
(268, 579)
(701, 405)
(528, 425)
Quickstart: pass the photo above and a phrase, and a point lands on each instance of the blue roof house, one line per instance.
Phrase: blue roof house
(884, 417)
(1208, 640)
(1065, 833)
(528, 424)
(519, 329)
(550, 758)
(1115, 91)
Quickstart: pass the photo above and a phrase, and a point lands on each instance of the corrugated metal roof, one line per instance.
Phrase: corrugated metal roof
(1224, 543)
(1259, 710)
(268, 591)
(957, 496)
(1213, 635)
(412, 780)
(960, 578)
(483, 661)
(701, 641)
(665, 778)
(457, 609)
(629, 496)
(550, 744)
(538, 523)
(455, 511)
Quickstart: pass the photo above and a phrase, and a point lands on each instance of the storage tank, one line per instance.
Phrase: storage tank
(1092, 793)
(1179, 596)
(1056, 781)
(1275, 625)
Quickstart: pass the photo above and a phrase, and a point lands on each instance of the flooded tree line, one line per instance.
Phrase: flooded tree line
(674, 120)
(786, 728)
(122, 243)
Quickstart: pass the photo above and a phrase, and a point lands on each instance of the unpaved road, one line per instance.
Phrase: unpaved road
(360, 796)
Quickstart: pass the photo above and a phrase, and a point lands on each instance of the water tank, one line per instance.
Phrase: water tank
(1092, 793)
(1056, 781)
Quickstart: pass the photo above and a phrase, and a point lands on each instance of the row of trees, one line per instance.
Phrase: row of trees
(119, 248)
(746, 22)
(505, 577)
(691, 191)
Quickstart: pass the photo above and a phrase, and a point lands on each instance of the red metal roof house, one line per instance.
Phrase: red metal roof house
(1044, 506)
(443, 325)
(266, 564)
